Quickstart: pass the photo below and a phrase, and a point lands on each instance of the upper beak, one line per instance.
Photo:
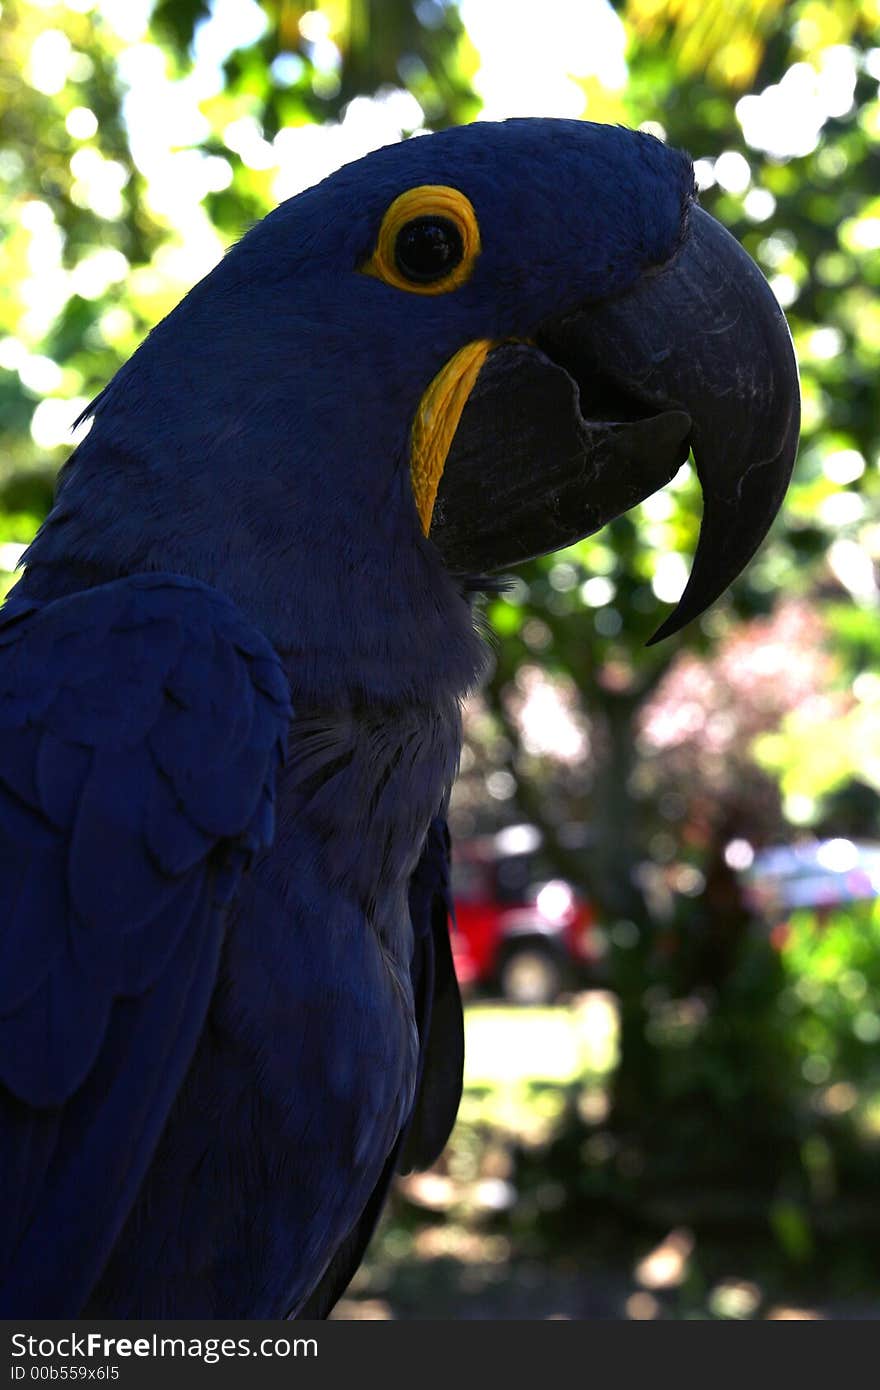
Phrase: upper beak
(560, 437)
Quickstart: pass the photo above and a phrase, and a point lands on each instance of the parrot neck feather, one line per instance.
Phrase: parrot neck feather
(365, 613)
(360, 787)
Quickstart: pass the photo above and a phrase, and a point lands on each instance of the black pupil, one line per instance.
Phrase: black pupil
(428, 248)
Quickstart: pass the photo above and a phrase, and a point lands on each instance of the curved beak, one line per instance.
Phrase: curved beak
(560, 437)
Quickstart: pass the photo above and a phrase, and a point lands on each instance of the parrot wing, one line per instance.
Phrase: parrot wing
(142, 724)
(438, 1006)
(441, 1060)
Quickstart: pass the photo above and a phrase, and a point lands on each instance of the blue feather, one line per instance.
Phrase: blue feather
(109, 951)
(227, 1004)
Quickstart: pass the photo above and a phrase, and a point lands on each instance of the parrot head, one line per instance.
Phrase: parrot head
(604, 327)
(450, 356)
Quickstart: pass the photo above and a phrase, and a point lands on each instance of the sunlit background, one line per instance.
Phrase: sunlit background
(681, 1115)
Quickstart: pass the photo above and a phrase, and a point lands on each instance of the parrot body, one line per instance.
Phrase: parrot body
(315, 999)
(230, 681)
(317, 962)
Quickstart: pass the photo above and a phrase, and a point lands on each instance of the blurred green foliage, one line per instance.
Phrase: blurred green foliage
(751, 1183)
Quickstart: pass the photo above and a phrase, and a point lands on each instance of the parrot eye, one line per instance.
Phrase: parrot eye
(428, 241)
(427, 248)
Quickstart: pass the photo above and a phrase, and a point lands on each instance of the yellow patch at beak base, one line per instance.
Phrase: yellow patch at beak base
(437, 420)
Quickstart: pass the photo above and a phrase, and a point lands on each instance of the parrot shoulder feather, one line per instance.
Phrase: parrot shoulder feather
(142, 725)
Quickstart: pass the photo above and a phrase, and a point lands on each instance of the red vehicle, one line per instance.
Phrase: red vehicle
(521, 929)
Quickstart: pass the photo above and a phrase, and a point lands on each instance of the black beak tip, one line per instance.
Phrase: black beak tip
(744, 393)
(733, 529)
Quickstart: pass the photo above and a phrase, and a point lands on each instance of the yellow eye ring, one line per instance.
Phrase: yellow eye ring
(424, 231)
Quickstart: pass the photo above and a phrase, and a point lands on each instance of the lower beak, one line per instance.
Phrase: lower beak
(560, 436)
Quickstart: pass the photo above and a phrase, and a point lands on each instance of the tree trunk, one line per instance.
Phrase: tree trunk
(621, 901)
(614, 857)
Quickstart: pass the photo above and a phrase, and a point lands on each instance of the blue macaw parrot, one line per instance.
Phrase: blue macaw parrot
(230, 681)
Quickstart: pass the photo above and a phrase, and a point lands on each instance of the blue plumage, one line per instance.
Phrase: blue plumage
(143, 724)
(220, 974)
(230, 682)
(149, 723)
